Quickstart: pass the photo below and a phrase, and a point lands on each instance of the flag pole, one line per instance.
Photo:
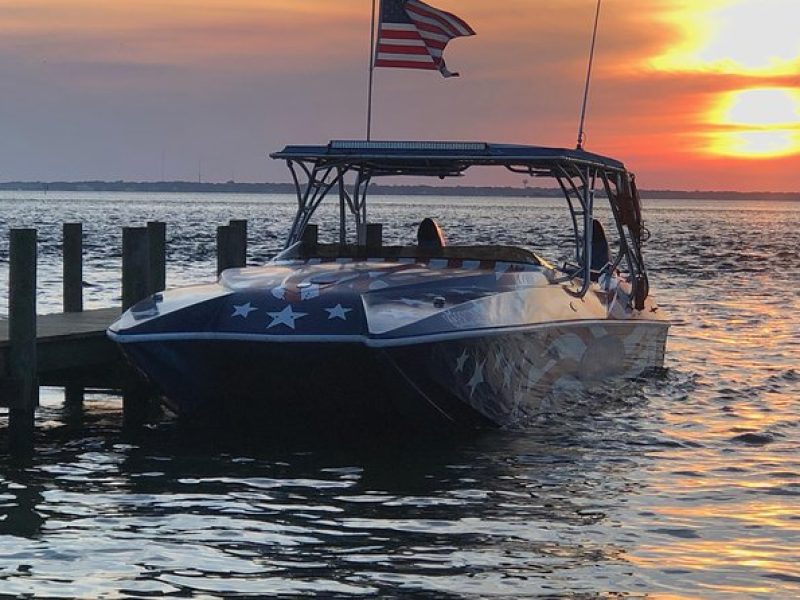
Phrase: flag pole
(371, 72)
(581, 132)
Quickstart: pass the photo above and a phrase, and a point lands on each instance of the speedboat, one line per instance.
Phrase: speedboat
(428, 332)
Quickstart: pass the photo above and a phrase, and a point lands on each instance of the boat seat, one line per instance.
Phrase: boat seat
(601, 253)
(429, 235)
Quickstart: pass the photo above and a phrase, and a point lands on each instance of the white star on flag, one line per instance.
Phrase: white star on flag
(507, 373)
(498, 360)
(536, 373)
(338, 312)
(279, 292)
(461, 361)
(242, 310)
(286, 317)
(500, 269)
(378, 285)
(477, 377)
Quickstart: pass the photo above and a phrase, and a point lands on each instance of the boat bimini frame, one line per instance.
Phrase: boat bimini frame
(350, 166)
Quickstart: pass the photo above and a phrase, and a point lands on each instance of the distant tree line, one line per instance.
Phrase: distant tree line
(232, 187)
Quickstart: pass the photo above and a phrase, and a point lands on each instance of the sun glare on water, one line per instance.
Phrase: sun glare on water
(757, 123)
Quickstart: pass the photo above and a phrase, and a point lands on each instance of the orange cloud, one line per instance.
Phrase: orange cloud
(751, 37)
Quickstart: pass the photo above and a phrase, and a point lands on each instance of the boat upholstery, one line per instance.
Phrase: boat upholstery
(483, 252)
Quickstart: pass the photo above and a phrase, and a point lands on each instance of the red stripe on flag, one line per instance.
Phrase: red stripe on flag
(435, 44)
(398, 34)
(391, 49)
(445, 27)
(402, 64)
(435, 30)
(449, 21)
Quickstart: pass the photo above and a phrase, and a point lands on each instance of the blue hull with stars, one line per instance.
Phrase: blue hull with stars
(375, 339)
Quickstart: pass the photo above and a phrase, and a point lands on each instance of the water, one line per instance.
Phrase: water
(682, 486)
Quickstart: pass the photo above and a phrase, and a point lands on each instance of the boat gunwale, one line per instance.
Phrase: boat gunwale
(381, 341)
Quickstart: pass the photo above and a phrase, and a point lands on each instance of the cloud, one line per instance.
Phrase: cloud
(747, 37)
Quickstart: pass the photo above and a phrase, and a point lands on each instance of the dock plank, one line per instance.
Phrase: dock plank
(67, 325)
(68, 340)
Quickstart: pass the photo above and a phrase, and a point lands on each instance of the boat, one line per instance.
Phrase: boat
(360, 331)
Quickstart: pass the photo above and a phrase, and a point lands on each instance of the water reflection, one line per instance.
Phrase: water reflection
(19, 506)
(468, 515)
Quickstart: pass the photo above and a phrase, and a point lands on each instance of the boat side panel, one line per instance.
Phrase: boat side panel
(315, 386)
(501, 380)
(512, 378)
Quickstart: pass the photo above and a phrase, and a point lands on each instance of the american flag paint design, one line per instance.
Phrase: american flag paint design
(327, 297)
(515, 377)
(413, 35)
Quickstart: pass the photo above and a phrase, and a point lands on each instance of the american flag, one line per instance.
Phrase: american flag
(413, 35)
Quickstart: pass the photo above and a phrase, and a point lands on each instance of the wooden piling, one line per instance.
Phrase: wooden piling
(135, 287)
(22, 366)
(72, 250)
(73, 403)
(157, 248)
(370, 237)
(135, 265)
(72, 268)
(73, 394)
(224, 259)
(374, 236)
(135, 401)
(310, 238)
(238, 242)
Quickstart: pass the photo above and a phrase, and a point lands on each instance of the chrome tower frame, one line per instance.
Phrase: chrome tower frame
(316, 170)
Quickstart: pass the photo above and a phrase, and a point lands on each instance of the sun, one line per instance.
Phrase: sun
(762, 107)
(757, 123)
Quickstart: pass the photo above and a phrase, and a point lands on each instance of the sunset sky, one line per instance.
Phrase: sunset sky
(691, 94)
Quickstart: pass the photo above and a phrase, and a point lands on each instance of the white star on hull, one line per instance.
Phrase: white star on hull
(461, 361)
(477, 377)
(243, 310)
(338, 312)
(285, 317)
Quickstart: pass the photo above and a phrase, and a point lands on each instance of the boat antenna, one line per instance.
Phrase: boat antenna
(581, 131)
(371, 72)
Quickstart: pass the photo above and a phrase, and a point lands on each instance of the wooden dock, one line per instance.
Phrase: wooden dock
(71, 349)
(67, 341)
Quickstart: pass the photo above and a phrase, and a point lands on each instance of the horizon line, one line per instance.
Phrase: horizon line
(229, 186)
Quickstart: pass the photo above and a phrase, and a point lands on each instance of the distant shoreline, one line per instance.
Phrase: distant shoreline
(231, 187)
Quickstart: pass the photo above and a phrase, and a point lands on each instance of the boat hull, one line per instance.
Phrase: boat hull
(498, 378)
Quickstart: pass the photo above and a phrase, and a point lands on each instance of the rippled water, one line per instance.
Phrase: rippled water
(683, 486)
